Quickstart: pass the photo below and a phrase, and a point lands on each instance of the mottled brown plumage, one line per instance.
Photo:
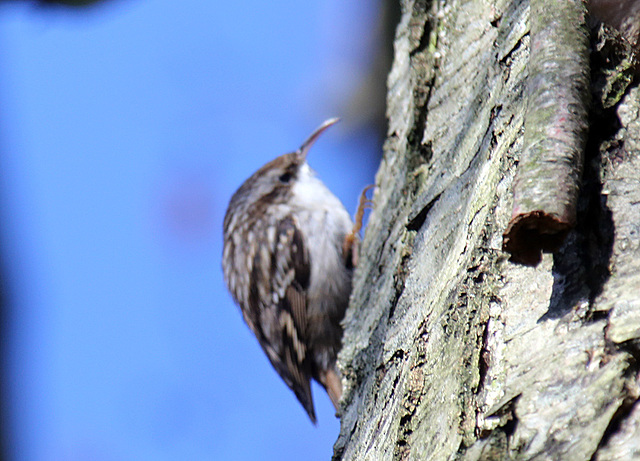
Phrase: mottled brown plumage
(285, 266)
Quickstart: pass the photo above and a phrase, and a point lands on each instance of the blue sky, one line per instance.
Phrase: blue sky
(124, 131)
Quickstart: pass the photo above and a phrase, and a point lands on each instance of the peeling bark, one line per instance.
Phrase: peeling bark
(450, 350)
(555, 131)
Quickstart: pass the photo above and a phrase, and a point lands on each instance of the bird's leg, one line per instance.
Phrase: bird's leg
(351, 244)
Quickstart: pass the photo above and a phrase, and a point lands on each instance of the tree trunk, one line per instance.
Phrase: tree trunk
(450, 350)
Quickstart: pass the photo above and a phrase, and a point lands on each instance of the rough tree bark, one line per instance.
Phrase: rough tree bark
(451, 351)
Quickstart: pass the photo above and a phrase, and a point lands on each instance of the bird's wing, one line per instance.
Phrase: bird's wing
(278, 307)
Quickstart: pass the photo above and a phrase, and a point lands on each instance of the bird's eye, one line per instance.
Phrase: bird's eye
(285, 177)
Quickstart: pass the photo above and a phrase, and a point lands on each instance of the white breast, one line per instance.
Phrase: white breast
(324, 222)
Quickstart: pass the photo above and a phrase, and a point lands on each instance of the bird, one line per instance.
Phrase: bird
(290, 248)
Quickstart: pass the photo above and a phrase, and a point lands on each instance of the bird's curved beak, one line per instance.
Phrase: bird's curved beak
(304, 149)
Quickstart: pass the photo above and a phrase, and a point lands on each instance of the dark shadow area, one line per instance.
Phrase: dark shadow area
(581, 266)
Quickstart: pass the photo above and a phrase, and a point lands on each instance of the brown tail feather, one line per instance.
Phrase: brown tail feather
(332, 383)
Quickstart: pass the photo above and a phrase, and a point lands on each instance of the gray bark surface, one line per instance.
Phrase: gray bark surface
(451, 351)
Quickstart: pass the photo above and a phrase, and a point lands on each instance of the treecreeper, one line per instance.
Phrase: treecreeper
(290, 248)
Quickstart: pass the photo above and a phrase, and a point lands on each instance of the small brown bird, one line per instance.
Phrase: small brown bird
(289, 251)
